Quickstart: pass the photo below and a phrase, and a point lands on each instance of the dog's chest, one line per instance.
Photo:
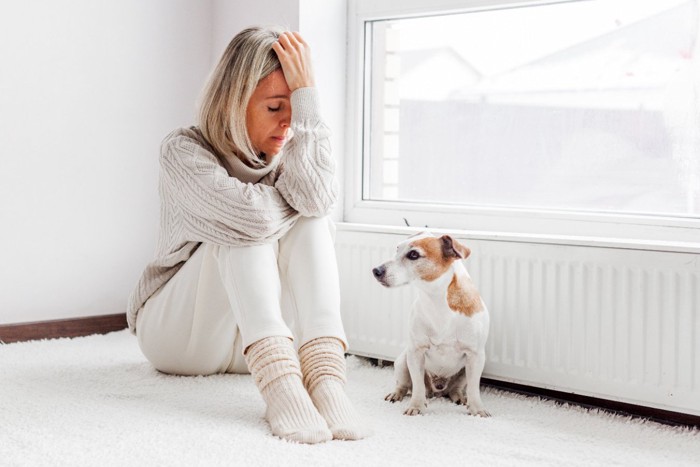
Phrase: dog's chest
(447, 340)
(445, 358)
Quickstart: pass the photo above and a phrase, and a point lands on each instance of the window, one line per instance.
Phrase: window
(536, 117)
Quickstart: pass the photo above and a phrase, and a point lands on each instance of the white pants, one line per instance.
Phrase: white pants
(225, 298)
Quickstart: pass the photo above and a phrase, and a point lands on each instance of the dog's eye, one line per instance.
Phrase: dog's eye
(413, 255)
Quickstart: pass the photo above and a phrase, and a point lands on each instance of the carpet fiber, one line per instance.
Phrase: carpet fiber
(96, 401)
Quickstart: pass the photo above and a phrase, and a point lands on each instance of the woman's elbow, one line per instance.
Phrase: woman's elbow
(319, 207)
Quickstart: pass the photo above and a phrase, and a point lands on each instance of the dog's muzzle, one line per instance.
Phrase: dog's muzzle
(379, 272)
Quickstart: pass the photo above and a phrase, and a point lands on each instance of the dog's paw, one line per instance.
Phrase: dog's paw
(459, 399)
(416, 407)
(395, 396)
(412, 411)
(479, 412)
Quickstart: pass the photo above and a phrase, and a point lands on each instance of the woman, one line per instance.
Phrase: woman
(245, 265)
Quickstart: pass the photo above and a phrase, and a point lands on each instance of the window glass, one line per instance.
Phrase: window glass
(585, 106)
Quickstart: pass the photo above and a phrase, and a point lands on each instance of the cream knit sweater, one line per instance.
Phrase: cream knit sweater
(222, 201)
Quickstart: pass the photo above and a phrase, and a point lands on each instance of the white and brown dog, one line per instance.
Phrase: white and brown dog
(449, 324)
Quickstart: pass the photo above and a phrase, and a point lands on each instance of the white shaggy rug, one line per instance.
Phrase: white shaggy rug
(96, 401)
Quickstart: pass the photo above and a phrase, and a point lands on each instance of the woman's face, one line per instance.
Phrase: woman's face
(268, 114)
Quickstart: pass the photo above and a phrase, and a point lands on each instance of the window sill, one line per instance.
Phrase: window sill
(603, 230)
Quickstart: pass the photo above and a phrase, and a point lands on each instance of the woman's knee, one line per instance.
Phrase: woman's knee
(312, 226)
(309, 236)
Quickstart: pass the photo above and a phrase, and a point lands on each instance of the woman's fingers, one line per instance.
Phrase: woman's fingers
(284, 42)
(277, 47)
(292, 41)
(298, 37)
(295, 58)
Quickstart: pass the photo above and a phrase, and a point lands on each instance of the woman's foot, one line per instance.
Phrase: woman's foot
(290, 411)
(323, 367)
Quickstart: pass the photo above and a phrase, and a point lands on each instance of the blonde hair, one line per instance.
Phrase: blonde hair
(248, 58)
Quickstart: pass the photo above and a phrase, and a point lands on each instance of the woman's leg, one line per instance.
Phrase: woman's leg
(192, 327)
(251, 279)
(311, 298)
(187, 327)
(222, 300)
(274, 364)
(310, 283)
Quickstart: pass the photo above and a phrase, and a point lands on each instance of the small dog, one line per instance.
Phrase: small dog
(449, 324)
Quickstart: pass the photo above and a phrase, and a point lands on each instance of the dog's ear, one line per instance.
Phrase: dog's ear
(453, 249)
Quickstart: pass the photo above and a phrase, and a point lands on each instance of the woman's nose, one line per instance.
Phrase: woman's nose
(286, 119)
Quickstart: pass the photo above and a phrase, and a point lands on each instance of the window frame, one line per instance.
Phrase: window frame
(607, 226)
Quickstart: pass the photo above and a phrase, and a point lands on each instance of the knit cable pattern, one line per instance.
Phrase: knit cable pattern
(202, 203)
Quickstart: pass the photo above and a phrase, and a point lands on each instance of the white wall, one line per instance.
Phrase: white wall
(323, 24)
(87, 92)
(231, 17)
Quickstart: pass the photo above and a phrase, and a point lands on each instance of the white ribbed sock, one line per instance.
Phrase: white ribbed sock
(323, 369)
(291, 413)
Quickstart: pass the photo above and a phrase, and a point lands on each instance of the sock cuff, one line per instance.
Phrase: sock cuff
(321, 359)
(272, 358)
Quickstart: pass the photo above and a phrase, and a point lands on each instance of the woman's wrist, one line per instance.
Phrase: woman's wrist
(305, 103)
(308, 83)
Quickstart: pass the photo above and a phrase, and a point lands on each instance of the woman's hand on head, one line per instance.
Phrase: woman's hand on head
(295, 57)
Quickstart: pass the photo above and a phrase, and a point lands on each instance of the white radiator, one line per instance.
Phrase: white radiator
(621, 324)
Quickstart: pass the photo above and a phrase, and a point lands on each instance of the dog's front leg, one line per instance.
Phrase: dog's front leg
(403, 379)
(415, 359)
(475, 366)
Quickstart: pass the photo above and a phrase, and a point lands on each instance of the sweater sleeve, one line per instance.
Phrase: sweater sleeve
(307, 181)
(215, 207)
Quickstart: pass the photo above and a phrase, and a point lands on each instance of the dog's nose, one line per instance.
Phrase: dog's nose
(379, 272)
(439, 386)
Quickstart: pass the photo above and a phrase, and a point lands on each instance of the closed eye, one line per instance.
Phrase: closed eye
(274, 109)
(413, 255)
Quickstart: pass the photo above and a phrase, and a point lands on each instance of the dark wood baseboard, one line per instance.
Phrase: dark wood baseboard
(666, 417)
(74, 327)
